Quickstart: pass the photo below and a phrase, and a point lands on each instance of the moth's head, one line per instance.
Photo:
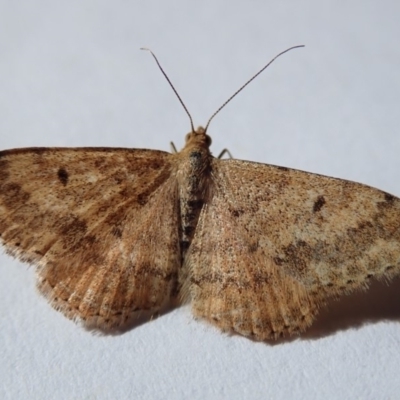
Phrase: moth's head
(199, 137)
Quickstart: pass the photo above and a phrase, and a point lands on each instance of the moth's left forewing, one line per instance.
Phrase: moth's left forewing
(100, 224)
(43, 191)
(279, 242)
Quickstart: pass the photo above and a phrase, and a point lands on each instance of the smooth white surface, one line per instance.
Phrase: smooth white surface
(71, 74)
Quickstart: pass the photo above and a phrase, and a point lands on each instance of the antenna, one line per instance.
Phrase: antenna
(250, 80)
(230, 98)
(170, 83)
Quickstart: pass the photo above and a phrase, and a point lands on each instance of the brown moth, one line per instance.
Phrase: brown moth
(256, 249)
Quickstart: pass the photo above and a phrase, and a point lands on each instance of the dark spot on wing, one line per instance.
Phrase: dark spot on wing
(74, 228)
(253, 247)
(362, 228)
(298, 255)
(116, 231)
(388, 202)
(100, 162)
(278, 260)
(142, 199)
(319, 203)
(389, 198)
(90, 239)
(283, 169)
(63, 176)
(13, 195)
(155, 164)
(236, 212)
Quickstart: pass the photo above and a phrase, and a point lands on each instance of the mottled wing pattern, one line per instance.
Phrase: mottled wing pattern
(272, 244)
(100, 225)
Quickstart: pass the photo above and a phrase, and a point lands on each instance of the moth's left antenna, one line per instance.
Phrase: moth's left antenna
(170, 83)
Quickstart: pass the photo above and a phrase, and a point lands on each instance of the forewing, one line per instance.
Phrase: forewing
(100, 224)
(272, 244)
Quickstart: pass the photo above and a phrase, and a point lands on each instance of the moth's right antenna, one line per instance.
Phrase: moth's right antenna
(170, 83)
(250, 80)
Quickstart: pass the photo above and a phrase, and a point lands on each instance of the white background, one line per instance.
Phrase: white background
(72, 74)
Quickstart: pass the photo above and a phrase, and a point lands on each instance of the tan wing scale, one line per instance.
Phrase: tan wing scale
(100, 224)
(273, 244)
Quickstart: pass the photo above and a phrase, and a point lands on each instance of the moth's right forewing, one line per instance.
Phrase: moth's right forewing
(272, 244)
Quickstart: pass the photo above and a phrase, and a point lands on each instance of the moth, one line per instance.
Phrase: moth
(256, 249)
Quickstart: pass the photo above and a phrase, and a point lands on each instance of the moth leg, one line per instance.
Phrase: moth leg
(223, 152)
(173, 148)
